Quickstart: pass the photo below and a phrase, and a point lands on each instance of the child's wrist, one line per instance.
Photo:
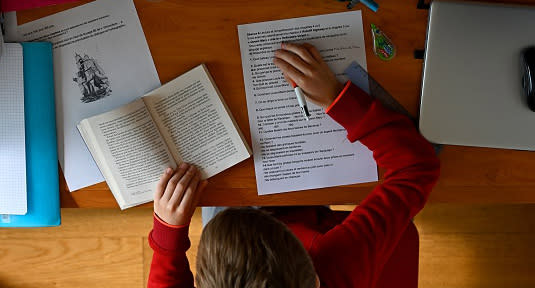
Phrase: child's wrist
(169, 223)
(340, 94)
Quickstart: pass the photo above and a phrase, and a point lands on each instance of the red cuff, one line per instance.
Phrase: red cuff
(169, 237)
(349, 108)
(346, 86)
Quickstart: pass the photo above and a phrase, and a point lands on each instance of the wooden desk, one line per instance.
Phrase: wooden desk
(182, 34)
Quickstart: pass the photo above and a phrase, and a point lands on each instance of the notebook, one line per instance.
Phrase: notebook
(12, 143)
(42, 177)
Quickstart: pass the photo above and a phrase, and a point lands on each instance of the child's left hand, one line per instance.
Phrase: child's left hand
(177, 194)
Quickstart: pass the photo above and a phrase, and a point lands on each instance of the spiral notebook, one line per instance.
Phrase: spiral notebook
(12, 143)
(42, 180)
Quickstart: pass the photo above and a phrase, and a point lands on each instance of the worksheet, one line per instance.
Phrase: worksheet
(291, 153)
(101, 62)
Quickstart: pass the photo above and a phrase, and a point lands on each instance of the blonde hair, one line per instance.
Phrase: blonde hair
(248, 248)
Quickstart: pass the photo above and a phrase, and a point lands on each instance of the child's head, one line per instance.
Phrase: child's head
(249, 248)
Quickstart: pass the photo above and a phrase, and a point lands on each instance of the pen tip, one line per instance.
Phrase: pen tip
(305, 108)
(305, 112)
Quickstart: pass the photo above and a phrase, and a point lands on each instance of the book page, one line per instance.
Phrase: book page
(291, 153)
(196, 123)
(101, 62)
(129, 150)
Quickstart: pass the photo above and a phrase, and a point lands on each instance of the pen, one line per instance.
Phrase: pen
(301, 99)
(369, 3)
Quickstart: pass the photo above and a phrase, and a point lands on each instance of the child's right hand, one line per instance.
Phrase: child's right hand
(303, 64)
(177, 194)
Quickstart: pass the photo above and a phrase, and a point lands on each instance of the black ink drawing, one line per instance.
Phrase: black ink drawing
(90, 77)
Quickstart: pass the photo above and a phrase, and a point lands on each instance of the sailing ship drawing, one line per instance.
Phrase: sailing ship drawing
(90, 77)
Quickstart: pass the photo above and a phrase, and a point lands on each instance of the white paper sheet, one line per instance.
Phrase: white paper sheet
(101, 61)
(291, 153)
(12, 135)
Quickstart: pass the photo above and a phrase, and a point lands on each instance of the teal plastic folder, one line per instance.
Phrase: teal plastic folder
(42, 178)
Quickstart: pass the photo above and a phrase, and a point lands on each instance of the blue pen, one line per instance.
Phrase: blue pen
(369, 3)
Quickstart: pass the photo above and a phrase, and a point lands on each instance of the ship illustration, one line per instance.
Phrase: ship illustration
(90, 77)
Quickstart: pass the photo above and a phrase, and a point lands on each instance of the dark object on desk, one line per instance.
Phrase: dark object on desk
(528, 75)
(422, 5)
(2, 20)
(419, 54)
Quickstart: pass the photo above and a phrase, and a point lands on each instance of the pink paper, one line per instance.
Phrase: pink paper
(16, 5)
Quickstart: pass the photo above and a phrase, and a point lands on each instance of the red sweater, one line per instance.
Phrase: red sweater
(347, 251)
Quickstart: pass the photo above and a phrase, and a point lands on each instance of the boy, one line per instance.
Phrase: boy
(250, 248)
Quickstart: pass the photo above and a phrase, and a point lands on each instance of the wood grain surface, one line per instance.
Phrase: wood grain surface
(182, 34)
(462, 246)
(476, 245)
(113, 261)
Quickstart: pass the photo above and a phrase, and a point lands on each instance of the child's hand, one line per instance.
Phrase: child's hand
(178, 194)
(303, 64)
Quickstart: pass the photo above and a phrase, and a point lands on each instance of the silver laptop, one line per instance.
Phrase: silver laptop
(472, 82)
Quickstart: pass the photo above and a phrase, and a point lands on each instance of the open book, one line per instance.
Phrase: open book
(184, 120)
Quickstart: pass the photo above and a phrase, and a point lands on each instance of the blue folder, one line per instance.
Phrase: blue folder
(42, 178)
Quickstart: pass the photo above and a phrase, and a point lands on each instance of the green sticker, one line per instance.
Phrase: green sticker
(382, 46)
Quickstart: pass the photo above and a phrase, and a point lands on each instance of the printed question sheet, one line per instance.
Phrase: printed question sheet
(290, 153)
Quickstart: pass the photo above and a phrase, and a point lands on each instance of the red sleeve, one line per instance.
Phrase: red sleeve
(170, 266)
(364, 241)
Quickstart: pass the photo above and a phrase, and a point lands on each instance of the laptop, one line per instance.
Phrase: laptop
(472, 90)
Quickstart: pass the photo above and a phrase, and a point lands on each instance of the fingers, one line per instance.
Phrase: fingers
(313, 52)
(182, 193)
(192, 197)
(288, 79)
(183, 185)
(289, 71)
(294, 59)
(171, 184)
(190, 194)
(303, 64)
(162, 184)
(300, 50)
